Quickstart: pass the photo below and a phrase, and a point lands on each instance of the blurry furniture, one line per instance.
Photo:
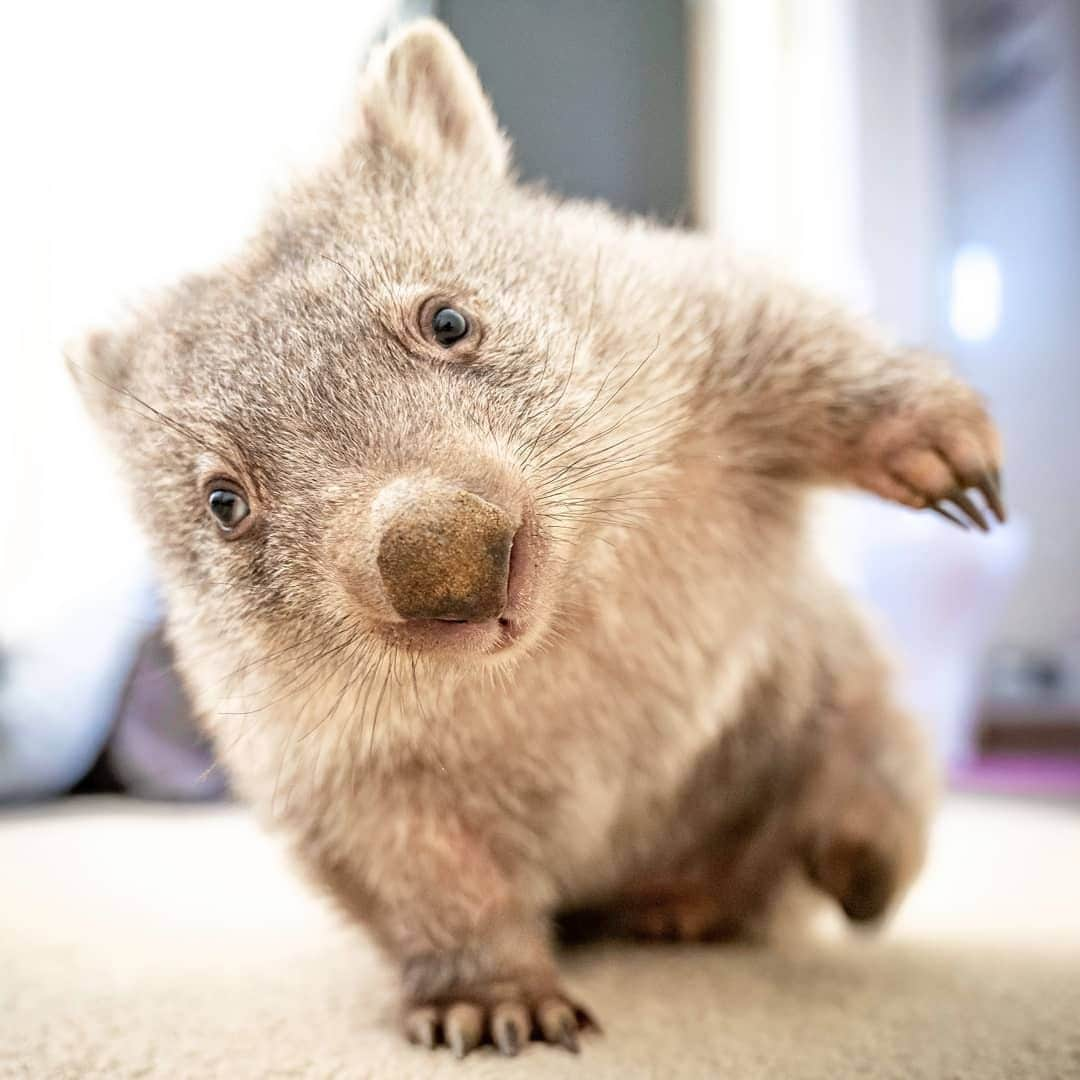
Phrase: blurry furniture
(91, 701)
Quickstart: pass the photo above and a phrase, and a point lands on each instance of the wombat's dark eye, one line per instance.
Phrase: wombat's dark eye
(230, 509)
(448, 326)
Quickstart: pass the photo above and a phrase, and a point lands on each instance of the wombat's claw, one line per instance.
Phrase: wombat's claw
(463, 1027)
(959, 498)
(560, 1022)
(508, 1025)
(939, 509)
(989, 484)
(991, 489)
(935, 458)
(422, 1026)
(933, 478)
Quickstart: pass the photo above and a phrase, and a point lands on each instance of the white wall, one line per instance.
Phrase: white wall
(1015, 187)
(901, 141)
(774, 134)
(933, 181)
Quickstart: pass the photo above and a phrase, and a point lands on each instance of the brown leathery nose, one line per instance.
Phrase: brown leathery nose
(446, 555)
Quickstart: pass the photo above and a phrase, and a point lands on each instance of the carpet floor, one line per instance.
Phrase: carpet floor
(170, 941)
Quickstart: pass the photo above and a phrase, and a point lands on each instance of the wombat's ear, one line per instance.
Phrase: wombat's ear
(422, 99)
(99, 365)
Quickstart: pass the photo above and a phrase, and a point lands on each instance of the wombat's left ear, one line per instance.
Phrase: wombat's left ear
(99, 365)
(422, 99)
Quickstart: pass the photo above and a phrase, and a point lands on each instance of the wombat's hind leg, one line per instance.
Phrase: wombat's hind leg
(867, 810)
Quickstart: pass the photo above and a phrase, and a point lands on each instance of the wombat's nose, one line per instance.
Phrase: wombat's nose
(446, 555)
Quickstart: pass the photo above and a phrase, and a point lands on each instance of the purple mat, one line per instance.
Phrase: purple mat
(1020, 774)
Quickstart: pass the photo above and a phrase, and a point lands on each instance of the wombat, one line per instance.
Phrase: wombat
(483, 518)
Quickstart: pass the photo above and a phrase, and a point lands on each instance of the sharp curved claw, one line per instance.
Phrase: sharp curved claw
(508, 1040)
(510, 1028)
(463, 1028)
(990, 486)
(559, 1022)
(568, 1035)
(938, 509)
(960, 499)
(422, 1028)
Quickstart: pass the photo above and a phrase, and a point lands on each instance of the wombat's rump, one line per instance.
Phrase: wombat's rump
(482, 520)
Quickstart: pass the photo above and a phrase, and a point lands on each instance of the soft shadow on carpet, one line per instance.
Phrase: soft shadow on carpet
(150, 941)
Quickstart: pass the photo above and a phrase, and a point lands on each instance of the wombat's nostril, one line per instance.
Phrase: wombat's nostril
(446, 555)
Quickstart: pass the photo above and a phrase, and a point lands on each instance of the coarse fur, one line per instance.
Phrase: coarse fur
(689, 715)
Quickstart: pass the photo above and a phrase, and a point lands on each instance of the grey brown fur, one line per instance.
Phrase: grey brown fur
(692, 720)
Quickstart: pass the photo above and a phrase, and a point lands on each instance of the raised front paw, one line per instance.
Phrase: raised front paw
(506, 1015)
(934, 456)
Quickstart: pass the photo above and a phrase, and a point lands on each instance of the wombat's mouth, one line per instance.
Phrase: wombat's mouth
(486, 636)
(482, 638)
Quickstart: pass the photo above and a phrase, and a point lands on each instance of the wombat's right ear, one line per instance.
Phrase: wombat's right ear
(99, 364)
(422, 99)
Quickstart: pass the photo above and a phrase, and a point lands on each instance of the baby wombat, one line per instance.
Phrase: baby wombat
(483, 520)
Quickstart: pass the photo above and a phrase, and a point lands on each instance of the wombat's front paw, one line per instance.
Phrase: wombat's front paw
(507, 1015)
(934, 454)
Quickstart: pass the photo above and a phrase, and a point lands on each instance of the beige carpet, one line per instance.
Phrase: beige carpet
(148, 941)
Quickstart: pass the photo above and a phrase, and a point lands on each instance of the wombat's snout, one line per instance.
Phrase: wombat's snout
(445, 554)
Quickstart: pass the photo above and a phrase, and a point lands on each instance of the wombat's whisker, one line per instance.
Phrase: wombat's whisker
(150, 412)
(356, 660)
(375, 715)
(279, 654)
(307, 676)
(549, 434)
(364, 292)
(348, 661)
(341, 636)
(619, 422)
(592, 409)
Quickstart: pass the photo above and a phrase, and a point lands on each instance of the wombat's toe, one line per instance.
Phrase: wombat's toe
(507, 1023)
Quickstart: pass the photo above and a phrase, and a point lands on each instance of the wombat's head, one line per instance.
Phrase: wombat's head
(398, 417)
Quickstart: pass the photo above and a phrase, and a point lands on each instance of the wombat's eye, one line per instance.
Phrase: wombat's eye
(230, 510)
(448, 326)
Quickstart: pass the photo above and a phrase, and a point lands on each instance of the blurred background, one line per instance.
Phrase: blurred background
(921, 159)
